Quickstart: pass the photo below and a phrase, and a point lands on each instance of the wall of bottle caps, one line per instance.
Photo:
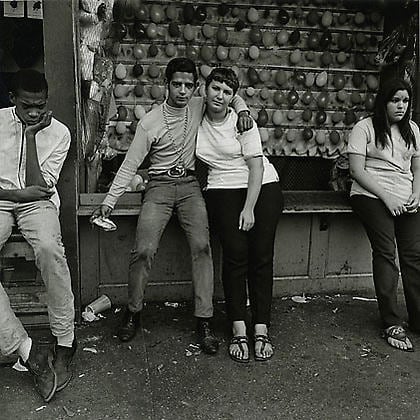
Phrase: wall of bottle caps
(307, 68)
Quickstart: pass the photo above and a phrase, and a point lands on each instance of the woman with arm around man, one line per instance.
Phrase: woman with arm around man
(244, 200)
(384, 157)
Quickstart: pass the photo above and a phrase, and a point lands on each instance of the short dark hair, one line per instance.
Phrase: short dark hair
(224, 75)
(380, 120)
(29, 80)
(180, 64)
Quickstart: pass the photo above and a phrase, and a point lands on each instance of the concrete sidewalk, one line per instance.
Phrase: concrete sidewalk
(330, 363)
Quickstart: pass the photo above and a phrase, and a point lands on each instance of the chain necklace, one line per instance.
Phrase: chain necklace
(178, 150)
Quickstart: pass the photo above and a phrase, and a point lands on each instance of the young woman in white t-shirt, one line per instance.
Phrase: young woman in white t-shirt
(244, 201)
(384, 156)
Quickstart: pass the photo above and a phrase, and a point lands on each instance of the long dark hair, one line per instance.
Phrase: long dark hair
(380, 117)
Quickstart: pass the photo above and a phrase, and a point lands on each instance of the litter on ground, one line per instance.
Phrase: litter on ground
(300, 299)
(19, 367)
(90, 349)
(364, 299)
(171, 304)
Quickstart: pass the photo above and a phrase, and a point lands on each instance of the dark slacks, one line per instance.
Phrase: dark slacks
(246, 255)
(386, 233)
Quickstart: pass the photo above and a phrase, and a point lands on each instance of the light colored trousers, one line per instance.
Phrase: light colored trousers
(39, 224)
(162, 198)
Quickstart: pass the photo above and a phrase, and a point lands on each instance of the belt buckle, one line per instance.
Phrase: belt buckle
(177, 172)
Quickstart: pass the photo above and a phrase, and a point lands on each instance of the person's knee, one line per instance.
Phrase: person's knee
(144, 254)
(49, 247)
(410, 255)
(200, 248)
(384, 249)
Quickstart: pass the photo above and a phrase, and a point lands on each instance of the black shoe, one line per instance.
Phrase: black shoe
(40, 365)
(129, 325)
(62, 364)
(208, 342)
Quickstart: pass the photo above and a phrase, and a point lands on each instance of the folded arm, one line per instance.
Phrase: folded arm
(365, 180)
(25, 195)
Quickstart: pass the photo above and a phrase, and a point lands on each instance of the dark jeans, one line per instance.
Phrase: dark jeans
(163, 197)
(246, 255)
(384, 231)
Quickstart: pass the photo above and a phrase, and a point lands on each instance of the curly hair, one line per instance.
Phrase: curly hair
(180, 64)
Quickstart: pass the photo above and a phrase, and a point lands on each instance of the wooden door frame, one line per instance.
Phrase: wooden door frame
(61, 69)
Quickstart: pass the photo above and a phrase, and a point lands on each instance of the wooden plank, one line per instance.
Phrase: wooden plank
(89, 261)
(283, 286)
(17, 249)
(61, 68)
(158, 291)
(131, 198)
(35, 320)
(291, 246)
(287, 286)
(304, 202)
(318, 246)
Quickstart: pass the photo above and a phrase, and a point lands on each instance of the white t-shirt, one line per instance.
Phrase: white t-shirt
(225, 151)
(391, 166)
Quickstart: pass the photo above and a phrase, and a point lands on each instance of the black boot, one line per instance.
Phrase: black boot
(40, 365)
(208, 342)
(63, 357)
(129, 325)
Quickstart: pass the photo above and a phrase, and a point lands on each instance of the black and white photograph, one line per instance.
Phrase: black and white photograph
(209, 209)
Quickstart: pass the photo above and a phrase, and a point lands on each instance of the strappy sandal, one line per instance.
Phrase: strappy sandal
(264, 339)
(241, 341)
(397, 332)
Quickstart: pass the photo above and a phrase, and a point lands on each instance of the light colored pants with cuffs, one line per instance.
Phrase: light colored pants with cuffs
(162, 198)
(39, 224)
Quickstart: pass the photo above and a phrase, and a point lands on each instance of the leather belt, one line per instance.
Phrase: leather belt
(176, 172)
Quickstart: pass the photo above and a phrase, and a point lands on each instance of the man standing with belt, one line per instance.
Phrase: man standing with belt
(167, 135)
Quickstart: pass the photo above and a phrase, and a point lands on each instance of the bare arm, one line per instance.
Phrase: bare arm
(414, 200)
(255, 177)
(358, 172)
(245, 122)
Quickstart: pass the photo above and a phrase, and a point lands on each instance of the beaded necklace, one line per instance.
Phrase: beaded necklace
(178, 150)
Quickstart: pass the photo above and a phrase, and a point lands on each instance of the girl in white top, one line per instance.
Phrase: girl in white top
(384, 161)
(244, 200)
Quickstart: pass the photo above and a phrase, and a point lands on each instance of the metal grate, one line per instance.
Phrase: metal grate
(303, 173)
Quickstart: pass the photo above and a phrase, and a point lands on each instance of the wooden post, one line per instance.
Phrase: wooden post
(61, 72)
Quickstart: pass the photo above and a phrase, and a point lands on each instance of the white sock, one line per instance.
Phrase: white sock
(66, 340)
(25, 348)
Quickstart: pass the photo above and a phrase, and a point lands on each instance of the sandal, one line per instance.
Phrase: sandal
(264, 339)
(241, 341)
(397, 332)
